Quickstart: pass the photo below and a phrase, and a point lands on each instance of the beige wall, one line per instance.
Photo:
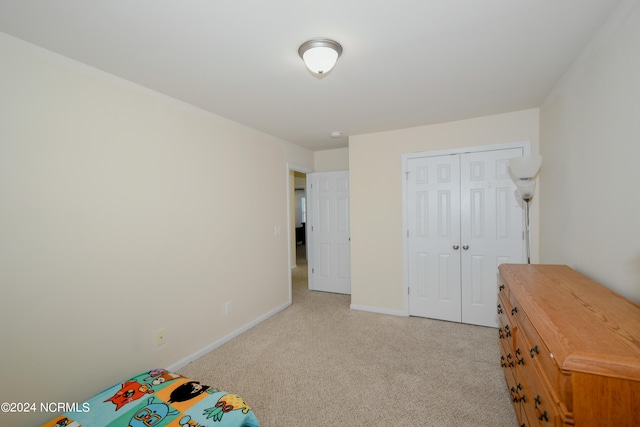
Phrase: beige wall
(331, 160)
(375, 172)
(123, 211)
(590, 140)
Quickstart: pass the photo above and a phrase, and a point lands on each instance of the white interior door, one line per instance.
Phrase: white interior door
(463, 221)
(491, 230)
(434, 234)
(328, 232)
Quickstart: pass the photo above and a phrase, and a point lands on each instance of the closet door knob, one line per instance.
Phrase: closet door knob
(456, 247)
(465, 247)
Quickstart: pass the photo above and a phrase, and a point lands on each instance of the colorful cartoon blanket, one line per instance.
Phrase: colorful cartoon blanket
(159, 398)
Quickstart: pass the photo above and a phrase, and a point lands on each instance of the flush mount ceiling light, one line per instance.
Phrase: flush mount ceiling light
(320, 55)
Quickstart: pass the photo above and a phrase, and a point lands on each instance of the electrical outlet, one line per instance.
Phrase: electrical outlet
(161, 336)
(227, 307)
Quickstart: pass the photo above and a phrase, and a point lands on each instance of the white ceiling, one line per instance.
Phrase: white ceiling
(405, 62)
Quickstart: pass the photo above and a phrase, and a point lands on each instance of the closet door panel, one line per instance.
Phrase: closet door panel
(434, 218)
(490, 230)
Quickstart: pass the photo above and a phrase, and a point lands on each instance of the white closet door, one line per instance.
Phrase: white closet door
(491, 230)
(463, 221)
(434, 231)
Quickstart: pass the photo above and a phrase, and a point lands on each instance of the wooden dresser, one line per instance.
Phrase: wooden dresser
(570, 348)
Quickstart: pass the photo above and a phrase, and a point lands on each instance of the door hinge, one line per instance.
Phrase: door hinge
(406, 175)
(313, 270)
(407, 234)
(408, 291)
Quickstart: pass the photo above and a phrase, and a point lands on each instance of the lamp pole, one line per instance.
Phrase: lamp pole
(523, 171)
(526, 225)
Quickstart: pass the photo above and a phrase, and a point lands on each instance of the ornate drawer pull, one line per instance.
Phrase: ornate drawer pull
(543, 416)
(517, 398)
(514, 310)
(501, 287)
(499, 309)
(534, 351)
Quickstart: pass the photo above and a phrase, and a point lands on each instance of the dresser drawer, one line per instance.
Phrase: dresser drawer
(508, 364)
(512, 384)
(503, 288)
(505, 329)
(533, 348)
(539, 409)
(539, 401)
(507, 358)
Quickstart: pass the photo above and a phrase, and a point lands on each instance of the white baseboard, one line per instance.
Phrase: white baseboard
(198, 354)
(379, 310)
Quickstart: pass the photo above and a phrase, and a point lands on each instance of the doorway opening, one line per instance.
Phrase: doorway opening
(298, 218)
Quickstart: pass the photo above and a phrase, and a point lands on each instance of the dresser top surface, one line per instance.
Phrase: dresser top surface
(586, 325)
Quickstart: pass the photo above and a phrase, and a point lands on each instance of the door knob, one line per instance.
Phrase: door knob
(465, 247)
(456, 247)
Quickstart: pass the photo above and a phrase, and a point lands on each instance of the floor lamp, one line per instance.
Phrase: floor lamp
(523, 171)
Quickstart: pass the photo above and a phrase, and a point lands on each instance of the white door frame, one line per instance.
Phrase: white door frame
(295, 168)
(526, 147)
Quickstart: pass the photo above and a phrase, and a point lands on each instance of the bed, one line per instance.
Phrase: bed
(159, 398)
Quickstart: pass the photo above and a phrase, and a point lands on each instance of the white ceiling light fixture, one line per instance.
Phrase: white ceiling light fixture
(320, 55)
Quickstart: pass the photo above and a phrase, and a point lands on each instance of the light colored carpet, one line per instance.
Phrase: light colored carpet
(319, 363)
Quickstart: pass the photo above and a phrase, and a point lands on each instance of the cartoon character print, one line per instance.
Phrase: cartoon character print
(156, 372)
(151, 414)
(160, 376)
(130, 391)
(133, 390)
(187, 391)
(63, 422)
(227, 403)
(187, 421)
